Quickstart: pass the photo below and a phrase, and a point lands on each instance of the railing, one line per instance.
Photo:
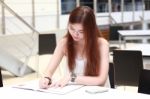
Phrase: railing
(20, 46)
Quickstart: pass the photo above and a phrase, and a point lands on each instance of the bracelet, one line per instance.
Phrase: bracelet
(49, 79)
(73, 77)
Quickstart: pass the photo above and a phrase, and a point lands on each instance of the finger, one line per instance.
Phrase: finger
(41, 83)
(57, 85)
(44, 84)
(63, 85)
(52, 85)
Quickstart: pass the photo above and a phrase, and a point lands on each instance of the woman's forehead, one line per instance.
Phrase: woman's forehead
(76, 25)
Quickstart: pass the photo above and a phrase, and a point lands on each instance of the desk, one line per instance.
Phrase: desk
(145, 52)
(144, 35)
(13, 93)
(142, 47)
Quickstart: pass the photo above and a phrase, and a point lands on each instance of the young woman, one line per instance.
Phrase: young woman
(86, 51)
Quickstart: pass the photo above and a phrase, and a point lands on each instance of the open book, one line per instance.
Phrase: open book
(33, 86)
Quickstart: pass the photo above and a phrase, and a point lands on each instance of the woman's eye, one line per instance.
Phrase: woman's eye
(81, 32)
(71, 28)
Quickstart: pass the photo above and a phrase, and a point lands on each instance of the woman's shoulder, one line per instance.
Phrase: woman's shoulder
(62, 43)
(101, 40)
(103, 44)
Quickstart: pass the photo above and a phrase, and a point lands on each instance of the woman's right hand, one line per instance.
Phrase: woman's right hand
(44, 83)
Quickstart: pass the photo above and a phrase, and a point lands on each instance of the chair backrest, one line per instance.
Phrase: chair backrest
(144, 82)
(111, 75)
(113, 32)
(47, 43)
(128, 65)
(1, 80)
(114, 36)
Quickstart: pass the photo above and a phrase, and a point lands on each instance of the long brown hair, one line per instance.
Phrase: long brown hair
(85, 16)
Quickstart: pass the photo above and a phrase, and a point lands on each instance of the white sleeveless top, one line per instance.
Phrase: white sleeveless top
(80, 67)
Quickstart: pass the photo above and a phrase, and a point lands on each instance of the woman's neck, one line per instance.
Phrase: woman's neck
(79, 47)
(79, 43)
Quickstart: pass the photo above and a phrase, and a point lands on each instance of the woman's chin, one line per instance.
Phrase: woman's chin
(76, 39)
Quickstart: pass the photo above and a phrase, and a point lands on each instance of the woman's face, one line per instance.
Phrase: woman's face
(76, 31)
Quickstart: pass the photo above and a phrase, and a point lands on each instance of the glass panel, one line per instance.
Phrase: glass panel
(86, 3)
(128, 5)
(116, 5)
(102, 5)
(147, 4)
(138, 5)
(67, 6)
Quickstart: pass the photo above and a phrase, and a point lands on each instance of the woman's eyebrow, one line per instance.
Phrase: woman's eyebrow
(74, 28)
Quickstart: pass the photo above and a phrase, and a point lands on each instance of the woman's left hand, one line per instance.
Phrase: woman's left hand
(62, 82)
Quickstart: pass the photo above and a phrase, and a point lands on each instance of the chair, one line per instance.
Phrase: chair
(128, 65)
(47, 43)
(1, 80)
(111, 75)
(144, 82)
(114, 36)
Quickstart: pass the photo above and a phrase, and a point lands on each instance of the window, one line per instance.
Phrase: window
(67, 6)
(102, 6)
(147, 4)
(86, 3)
(138, 5)
(128, 5)
(116, 5)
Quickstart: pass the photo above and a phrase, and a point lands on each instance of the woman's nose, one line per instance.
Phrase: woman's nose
(76, 33)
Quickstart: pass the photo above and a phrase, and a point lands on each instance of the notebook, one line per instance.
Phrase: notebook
(33, 86)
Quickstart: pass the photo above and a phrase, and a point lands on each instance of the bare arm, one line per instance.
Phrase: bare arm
(55, 59)
(45, 81)
(101, 79)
